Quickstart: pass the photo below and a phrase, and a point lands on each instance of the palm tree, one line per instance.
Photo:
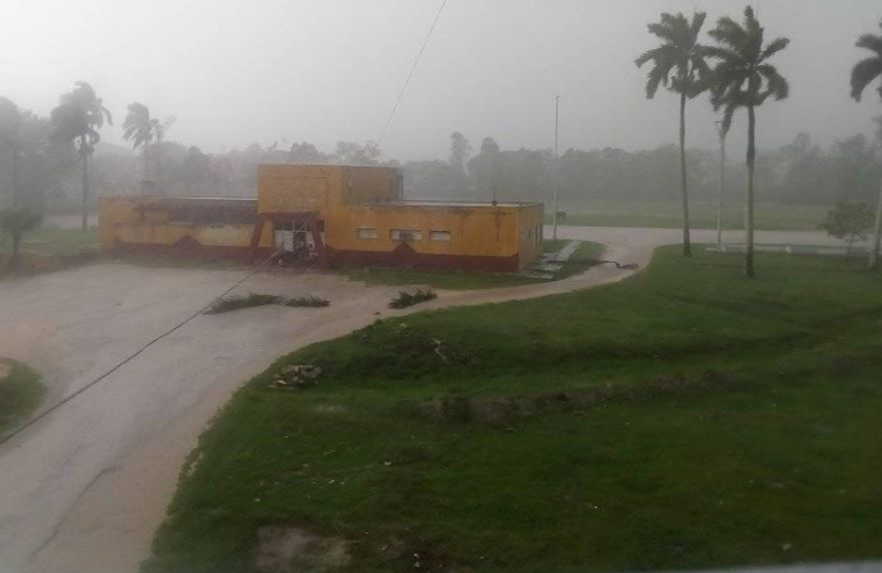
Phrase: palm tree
(16, 222)
(10, 137)
(141, 129)
(862, 75)
(679, 65)
(744, 78)
(78, 117)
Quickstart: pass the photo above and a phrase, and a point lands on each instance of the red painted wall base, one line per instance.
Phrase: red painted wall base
(402, 256)
(405, 256)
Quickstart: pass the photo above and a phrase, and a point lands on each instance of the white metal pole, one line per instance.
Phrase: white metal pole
(556, 166)
(874, 248)
(722, 186)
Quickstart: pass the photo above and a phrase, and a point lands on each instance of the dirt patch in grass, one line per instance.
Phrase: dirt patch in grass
(286, 549)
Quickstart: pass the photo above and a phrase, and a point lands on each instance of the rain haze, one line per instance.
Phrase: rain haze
(235, 73)
(440, 285)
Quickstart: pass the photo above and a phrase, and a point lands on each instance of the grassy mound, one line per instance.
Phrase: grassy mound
(686, 417)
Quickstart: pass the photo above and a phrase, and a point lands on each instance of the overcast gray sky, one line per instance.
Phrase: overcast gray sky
(235, 71)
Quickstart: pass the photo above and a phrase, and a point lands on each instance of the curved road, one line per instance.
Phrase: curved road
(85, 488)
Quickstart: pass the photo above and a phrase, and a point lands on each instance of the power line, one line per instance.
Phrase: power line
(133, 355)
(413, 67)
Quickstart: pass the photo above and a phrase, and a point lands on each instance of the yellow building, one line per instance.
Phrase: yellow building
(336, 214)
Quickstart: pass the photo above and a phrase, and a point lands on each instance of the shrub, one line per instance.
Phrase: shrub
(849, 222)
(307, 301)
(406, 299)
(237, 302)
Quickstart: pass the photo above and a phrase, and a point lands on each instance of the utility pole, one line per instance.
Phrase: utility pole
(874, 248)
(722, 133)
(556, 165)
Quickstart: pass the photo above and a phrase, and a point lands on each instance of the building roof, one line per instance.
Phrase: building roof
(439, 203)
(205, 198)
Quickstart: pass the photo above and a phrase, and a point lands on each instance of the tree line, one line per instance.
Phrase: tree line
(798, 173)
(48, 162)
(736, 71)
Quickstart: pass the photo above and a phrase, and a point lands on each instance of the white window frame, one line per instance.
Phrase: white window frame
(441, 236)
(409, 235)
(367, 233)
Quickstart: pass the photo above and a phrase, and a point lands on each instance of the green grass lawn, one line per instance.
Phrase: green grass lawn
(553, 245)
(702, 214)
(20, 393)
(49, 241)
(686, 417)
(584, 257)
(470, 280)
(439, 279)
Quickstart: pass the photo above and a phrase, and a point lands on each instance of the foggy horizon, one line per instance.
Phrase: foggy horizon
(233, 75)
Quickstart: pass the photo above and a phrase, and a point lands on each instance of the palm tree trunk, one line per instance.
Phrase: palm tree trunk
(14, 176)
(722, 191)
(157, 160)
(145, 183)
(874, 248)
(687, 248)
(85, 207)
(16, 247)
(751, 162)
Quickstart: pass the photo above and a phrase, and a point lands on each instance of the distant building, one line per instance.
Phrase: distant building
(331, 214)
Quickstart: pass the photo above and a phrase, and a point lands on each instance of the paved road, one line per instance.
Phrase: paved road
(70, 221)
(85, 488)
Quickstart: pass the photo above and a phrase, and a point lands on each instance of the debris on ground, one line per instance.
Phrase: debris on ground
(296, 376)
(406, 299)
(310, 301)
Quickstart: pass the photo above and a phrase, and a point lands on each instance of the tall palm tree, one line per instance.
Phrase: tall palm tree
(679, 65)
(141, 130)
(862, 75)
(77, 118)
(10, 137)
(743, 77)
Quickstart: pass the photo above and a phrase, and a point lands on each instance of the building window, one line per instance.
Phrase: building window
(406, 235)
(538, 235)
(439, 235)
(366, 233)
